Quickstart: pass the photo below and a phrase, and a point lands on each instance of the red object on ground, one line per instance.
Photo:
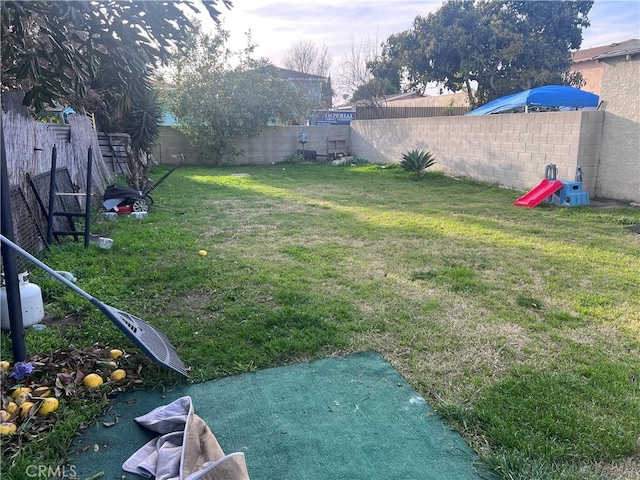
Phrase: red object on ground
(535, 197)
(122, 209)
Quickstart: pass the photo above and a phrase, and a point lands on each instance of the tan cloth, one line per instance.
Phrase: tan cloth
(186, 449)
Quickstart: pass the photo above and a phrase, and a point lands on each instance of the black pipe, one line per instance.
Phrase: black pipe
(11, 281)
(87, 199)
(52, 196)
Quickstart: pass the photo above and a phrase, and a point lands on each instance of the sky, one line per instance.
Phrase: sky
(342, 24)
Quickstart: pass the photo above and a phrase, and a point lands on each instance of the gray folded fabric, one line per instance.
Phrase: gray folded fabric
(185, 449)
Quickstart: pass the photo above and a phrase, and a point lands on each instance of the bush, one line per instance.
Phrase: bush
(417, 161)
(358, 161)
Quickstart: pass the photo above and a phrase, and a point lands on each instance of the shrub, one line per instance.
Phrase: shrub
(417, 161)
(358, 161)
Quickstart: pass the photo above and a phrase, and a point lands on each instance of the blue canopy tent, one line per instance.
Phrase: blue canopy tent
(550, 96)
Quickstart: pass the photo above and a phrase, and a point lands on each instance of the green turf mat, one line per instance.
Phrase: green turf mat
(342, 418)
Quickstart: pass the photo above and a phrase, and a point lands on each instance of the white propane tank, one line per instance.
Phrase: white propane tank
(31, 300)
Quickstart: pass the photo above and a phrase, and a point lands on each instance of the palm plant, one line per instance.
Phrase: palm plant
(417, 161)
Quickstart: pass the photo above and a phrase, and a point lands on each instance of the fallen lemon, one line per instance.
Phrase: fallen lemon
(48, 405)
(41, 392)
(20, 391)
(93, 380)
(12, 407)
(7, 428)
(25, 407)
(202, 253)
(118, 375)
(115, 353)
(5, 365)
(4, 416)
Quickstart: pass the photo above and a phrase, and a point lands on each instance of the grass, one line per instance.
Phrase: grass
(521, 327)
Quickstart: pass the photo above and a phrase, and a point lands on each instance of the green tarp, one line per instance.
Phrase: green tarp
(340, 418)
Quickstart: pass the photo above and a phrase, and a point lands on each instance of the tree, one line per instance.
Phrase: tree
(215, 103)
(327, 94)
(504, 46)
(305, 56)
(354, 68)
(374, 90)
(56, 50)
(97, 56)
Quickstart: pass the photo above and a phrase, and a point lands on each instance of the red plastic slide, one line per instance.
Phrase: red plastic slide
(535, 197)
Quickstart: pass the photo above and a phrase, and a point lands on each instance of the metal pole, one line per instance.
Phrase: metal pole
(52, 196)
(87, 199)
(9, 261)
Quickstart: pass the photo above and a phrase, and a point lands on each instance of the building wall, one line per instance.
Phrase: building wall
(512, 150)
(619, 168)
(592, 72)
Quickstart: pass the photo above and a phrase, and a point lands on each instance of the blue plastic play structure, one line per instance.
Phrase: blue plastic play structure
(568, 194)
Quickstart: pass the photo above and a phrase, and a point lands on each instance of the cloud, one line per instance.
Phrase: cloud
(612, 21)
(278, 24)
(340, 24)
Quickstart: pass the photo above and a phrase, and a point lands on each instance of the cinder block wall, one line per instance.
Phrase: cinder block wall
(511, 150)
(274, 144)
(171, 144)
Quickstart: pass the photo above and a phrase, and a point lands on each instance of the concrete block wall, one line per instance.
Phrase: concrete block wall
(277, 144)
(274, 144)
(511, 150)
(171, 144)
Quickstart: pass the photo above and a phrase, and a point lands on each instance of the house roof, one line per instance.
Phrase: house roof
(401, 96)
(628, 47)
(287, 74)
(631, 47)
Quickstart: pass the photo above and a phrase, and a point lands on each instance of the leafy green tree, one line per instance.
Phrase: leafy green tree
(97, 56)
(503, 45)
(374, 90)
(57, 50)
(327, 94)
(215, 103)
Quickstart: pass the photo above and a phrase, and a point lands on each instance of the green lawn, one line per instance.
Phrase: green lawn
(520, 326)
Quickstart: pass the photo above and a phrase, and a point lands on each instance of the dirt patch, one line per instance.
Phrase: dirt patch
(63, 323)
(609, 203)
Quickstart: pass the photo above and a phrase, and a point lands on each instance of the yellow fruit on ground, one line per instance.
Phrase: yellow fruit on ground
(118, 375)
(25, 407)
(116, 353)
(20, 391)
(48, 405)
(93, 380)
(202, 253)
(4, 365)
(7, 428)
(41, 392)
(4, 416)
(12, 407)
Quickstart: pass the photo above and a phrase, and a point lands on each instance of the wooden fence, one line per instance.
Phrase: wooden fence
(29, 145)
(375, 112)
